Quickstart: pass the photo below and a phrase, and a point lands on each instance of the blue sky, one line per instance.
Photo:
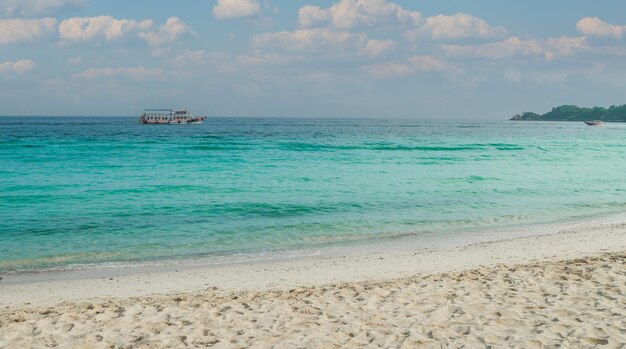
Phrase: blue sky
(344, 58)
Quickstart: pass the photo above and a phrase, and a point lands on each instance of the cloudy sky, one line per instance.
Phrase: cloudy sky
(343, 58)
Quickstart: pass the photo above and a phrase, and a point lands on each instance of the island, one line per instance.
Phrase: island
(575, 113)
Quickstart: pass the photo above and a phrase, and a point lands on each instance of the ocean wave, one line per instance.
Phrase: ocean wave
(601, 205)
(7, 145)
(300, 146)
(425, 148)
(276, 210)
(211, 137)
(373, 147)
(152, 189)
(216, 147)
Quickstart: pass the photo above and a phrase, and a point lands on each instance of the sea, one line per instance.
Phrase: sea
(94, 192)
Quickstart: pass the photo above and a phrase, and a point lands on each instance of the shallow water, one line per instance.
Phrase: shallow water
(98, 190)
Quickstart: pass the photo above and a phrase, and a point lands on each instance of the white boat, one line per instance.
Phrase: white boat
(594, 122)
(169, 117)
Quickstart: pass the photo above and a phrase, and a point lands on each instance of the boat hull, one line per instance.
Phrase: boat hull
(169, 117)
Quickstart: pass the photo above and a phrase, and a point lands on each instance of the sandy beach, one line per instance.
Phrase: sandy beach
(566, 289)
(312, 174)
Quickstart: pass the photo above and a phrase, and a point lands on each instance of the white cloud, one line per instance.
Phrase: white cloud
(515, 47)
(375, 48)
(35, 7)
(21, 66)
(564, 46)
(320, 41)
(199, 58)
(172, 30)
(347, 14)
(458, 26)
(225, 9)
(85, 29)
(594, 26)
(107, 28)
(413, 65)
(390, 70)
(310, 15)
(135, 73)
(25, 30)
(427, 63)
(271, 58)
(316, 39)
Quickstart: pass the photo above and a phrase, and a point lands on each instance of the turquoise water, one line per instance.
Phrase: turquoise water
(75, 191)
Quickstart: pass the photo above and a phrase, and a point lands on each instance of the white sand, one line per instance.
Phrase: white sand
(282, 274)
(472, 295)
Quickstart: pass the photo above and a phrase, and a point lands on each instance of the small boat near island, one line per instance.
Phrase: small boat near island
(169, 117)
(594, 122)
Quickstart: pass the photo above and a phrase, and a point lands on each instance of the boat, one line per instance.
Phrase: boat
(169, 117)
(594, 122)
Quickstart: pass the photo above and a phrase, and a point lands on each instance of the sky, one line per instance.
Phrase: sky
(305, 58)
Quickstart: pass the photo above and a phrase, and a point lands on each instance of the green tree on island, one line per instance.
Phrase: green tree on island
(575, 113)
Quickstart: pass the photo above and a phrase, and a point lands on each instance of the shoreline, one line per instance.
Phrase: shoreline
(559, 290)
(391, 243)
(95, 285)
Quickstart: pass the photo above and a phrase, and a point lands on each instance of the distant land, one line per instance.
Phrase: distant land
(575, 113)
